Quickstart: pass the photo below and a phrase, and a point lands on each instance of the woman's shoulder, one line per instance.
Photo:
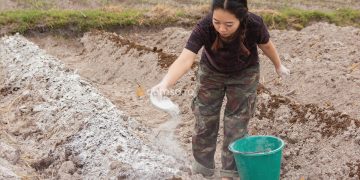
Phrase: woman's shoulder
(205, 25)
(255, 20)
(206, 20)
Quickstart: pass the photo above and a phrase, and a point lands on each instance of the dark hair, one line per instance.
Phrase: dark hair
(240, 9)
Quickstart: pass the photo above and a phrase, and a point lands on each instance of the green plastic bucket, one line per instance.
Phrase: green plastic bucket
(258, 157)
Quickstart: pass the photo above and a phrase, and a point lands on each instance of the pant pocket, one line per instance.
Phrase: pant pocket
(252, 104)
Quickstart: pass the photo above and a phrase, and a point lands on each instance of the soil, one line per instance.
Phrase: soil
(78, 98)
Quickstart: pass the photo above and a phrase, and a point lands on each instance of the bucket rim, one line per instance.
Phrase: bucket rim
(282, 144)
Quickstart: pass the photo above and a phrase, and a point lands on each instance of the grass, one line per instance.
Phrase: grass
(36, 4)
(305, 4)
(298, 19)
(23, 20)
(106, 18)
(273, 4)
(83, 20)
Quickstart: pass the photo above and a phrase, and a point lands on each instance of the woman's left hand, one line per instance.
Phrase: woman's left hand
(282, 71)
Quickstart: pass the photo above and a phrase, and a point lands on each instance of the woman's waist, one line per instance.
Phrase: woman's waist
(228, 67)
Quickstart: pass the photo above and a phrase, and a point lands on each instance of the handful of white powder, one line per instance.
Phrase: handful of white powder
(164, 103)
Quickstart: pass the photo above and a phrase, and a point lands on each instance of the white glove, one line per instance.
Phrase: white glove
(159, 100)
(282, 71)
(159, 90)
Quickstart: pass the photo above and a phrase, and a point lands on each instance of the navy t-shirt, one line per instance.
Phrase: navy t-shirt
(228, 59)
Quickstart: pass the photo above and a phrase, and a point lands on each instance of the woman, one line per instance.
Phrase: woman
(229, 66)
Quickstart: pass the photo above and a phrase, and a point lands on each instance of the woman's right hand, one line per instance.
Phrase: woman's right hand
(159, 100)
(181, 65)
(159, 90)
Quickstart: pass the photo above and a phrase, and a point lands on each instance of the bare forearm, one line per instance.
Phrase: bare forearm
(271, 52)
(181, 65)
(175, 72)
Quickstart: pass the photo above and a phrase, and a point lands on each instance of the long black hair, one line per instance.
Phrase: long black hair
(240, 9)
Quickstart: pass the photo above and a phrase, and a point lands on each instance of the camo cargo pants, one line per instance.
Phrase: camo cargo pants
(212, 87)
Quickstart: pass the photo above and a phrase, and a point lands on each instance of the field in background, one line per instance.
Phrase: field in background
(81, 16)
(84, 4)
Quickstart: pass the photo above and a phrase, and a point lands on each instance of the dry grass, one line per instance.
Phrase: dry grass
(162, 10)
(306, 4)
(254, 4)
(113, 8)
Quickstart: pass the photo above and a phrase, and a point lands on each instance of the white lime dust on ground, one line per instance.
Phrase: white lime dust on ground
(54, 124)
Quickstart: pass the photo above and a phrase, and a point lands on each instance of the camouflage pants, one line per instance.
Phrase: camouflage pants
(240, 91)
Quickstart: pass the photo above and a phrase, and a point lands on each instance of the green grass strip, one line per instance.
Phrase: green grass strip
(298, 19)
(81, 21)
(23, 20)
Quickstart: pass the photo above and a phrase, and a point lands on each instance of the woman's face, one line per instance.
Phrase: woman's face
(225, 22)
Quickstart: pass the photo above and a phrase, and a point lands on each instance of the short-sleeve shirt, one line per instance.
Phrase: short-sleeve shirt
(229, 58)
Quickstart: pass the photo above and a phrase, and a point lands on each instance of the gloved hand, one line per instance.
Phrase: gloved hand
(159, 100)
(282, 71)
(159, 90)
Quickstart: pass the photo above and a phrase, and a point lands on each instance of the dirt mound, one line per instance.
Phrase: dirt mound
(325, 65)
(100, 55)
(54, 124)
(320, 143)
(171, 39)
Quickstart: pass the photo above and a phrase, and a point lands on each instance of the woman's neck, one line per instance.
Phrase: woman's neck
(231, 37)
